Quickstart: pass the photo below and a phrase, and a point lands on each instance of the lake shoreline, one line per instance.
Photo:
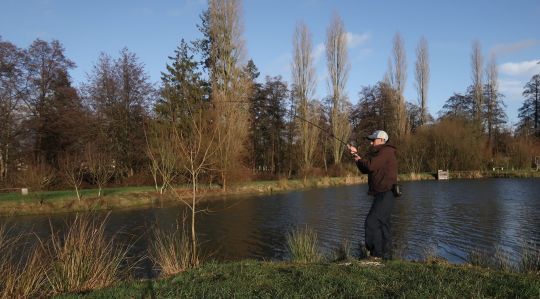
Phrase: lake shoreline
(36, 204)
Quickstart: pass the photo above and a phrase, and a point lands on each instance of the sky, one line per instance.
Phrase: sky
(153, 29)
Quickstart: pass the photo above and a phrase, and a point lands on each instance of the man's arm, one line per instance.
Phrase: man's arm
(372, 164)
(357, 159)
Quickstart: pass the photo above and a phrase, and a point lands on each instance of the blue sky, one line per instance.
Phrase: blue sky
(153, 29)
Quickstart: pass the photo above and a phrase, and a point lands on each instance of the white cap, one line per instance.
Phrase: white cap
(379, 134)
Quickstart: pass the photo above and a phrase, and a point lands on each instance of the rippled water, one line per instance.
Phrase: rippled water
(447, 218)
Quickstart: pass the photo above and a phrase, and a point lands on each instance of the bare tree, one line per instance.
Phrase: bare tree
(304, 83)
(422, 77)
(100, 165)
(230, 85)
(163, 159)
(338, 70)
(493, 108)
(397, 77)
(119, 92)
(477, 79)
(12, 91)
(72, 170)
(196, 145)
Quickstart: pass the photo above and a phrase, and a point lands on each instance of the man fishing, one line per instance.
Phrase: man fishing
(381, 168)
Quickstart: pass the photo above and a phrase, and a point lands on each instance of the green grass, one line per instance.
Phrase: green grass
(70, 194)
(252, 279)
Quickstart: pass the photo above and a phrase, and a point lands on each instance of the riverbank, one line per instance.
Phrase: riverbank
(49, 202)
(354, 279)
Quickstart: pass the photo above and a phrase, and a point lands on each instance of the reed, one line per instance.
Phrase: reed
(480, 258)
(171, 251)
(429, 254)
(530, 260)
(82, 258)
(498, 260)
(501, 260)
(20, 277)
(302, 246)
(343, 252)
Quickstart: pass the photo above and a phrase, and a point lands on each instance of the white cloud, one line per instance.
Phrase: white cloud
(354, 40)
(524, 68)
(502, 49)
(511, 89)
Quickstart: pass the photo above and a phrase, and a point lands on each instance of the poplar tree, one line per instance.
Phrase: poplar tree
(338, 72)
(230, 87)
(304, 83)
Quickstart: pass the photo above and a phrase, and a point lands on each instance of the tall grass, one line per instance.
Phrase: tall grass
(82, 258)
(343, 252)
(498, 260)
(171, 251)
(19, 277)
(530, 260)
(302, 245)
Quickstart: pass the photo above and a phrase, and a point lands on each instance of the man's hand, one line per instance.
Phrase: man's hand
(354, 152)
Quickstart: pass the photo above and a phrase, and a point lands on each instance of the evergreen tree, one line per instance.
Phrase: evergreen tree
(181, 83)
(459, 106)
(269, 125)
(529, 112)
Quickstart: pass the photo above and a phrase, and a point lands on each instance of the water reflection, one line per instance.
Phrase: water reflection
(447, 218)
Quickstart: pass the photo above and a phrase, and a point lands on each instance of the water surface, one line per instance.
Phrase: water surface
(446, 218)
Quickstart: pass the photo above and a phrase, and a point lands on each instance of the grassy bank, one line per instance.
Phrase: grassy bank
(252, 279)
(66, 201)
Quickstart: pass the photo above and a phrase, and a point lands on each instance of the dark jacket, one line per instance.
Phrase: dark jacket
(381, 168)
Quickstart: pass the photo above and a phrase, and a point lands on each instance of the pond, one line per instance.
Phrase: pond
(449, 219)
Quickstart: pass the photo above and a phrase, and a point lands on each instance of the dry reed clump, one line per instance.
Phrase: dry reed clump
(82, 258)
(302, 245)
(171, 251)
(20, 278)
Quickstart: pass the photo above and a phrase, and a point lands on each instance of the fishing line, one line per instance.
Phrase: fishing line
(294, 115)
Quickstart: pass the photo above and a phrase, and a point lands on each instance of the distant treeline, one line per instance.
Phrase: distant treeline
(212, 119)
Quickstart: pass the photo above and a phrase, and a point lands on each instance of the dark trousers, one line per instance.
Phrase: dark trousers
(377, 226)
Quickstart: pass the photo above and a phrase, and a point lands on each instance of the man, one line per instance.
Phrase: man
(381, 168)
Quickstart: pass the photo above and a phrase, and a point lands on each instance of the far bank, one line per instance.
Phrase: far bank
(62, 201)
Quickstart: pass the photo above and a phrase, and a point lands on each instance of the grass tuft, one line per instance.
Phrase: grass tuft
(343, 252)
(302, 246)
(499, 260)
(83, 259)
(22, 278)
(171, 251)
(530, 260)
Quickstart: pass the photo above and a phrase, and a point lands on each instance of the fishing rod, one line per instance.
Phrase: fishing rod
(348, 145)
(323, 130)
